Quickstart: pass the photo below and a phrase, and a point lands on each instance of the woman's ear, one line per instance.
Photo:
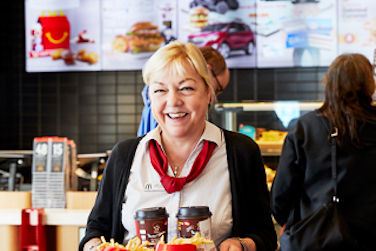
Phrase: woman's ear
(211, 97)
(209, 67)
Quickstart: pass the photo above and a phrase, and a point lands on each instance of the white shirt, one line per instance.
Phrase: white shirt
(211, 188)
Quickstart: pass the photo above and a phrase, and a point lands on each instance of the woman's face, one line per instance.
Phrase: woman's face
(179, 103)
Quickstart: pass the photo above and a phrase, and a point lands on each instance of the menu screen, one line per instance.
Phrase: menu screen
(93, 35)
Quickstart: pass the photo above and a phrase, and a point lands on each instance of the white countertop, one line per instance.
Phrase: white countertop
(52, 216)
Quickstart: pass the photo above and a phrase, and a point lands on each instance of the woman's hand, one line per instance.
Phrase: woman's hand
(92, 244)
(238, 244)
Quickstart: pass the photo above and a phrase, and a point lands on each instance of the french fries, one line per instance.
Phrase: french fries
(133, 244)
(112, 243)
(196, 240)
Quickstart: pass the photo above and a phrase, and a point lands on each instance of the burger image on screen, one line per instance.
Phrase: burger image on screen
(144, 36)
(198, 17)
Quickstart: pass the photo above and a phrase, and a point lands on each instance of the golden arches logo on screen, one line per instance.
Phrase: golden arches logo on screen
(56, 41)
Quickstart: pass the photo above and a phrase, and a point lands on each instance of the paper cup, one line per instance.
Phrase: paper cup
(193, 220)
(151, 224)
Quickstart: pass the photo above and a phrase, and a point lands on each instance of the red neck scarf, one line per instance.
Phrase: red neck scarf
(160, 164)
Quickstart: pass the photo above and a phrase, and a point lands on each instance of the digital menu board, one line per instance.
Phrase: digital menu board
(92, 35)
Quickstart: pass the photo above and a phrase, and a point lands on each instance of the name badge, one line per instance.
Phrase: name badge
(153, 187)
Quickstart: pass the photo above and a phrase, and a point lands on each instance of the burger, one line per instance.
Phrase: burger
(198, 17)
(144, 36)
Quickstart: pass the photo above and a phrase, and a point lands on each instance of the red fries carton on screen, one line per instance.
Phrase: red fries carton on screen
(56, 32)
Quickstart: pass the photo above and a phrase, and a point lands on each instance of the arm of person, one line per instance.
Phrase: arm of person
(100, 219)
(288, 178)
(105, 217)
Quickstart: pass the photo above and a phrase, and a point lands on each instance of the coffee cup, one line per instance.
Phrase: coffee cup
(151, 224)
(193, 220)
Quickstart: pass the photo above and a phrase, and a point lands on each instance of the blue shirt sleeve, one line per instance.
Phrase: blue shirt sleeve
(148, 121)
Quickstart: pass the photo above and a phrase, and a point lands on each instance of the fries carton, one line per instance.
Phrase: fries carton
(175, 247)
(185, 247)
(56, 31)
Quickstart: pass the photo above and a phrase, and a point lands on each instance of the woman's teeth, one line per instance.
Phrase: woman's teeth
(177, 115)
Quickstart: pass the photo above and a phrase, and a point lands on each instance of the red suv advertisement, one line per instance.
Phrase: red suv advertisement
(225, 37)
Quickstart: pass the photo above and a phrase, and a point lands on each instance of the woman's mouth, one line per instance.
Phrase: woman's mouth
(177, 115)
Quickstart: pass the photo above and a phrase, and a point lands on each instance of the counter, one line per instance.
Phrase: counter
(52, 217)
(230, 110)
(230, 113)
(64, 227)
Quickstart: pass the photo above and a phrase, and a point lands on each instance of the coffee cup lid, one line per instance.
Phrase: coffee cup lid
(193, 212)
(154, 213)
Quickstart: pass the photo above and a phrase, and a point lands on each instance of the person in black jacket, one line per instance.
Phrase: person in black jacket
(303, 180)
(185, 161)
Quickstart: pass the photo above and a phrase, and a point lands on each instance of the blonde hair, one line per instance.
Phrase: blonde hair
(172, 57)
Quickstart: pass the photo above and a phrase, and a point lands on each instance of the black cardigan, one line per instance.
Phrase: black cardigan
(250, 197)
(303, 180)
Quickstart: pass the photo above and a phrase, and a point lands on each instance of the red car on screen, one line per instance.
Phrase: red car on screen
(225, 37)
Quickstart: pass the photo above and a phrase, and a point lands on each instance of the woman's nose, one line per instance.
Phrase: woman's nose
(174, 98)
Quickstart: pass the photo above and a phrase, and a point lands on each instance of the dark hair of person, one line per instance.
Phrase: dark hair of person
(349, 85)
(214, 59)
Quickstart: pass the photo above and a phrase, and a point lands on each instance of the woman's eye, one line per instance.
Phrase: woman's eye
(158, 90)
(187, 88)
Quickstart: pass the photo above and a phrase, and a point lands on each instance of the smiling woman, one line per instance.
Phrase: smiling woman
(219, 75)
(185, 161)
(179, 96)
